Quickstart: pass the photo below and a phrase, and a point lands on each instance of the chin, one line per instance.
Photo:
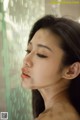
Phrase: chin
(27, 86)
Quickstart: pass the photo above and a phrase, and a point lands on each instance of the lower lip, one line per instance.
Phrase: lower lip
(25, 76)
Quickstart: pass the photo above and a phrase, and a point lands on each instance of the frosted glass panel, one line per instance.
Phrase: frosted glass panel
(16, 20)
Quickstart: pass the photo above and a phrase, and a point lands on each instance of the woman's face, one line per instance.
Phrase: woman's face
(42, 63)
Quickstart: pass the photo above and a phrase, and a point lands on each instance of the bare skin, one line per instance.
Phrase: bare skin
(60, 111)
(58, 107)
(43, 66)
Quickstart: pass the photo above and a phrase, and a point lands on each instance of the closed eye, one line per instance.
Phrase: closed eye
(39, 55)
(42, 56)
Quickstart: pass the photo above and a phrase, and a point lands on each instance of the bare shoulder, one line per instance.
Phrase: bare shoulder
(60, 112)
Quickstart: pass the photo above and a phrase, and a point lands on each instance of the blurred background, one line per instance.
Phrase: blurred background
(16, 20)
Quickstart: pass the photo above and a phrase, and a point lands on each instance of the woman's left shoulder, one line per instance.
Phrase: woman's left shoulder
(65, 111)
(60, 112)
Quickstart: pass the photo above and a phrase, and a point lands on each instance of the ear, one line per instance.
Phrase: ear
(72, 71)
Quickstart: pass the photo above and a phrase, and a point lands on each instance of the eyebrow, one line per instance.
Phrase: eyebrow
(44, 46)
(40, 45)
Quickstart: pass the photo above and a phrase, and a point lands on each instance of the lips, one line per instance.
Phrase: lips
(24, 73)
(24, 76)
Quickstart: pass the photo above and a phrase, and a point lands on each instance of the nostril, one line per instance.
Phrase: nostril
(24, 69)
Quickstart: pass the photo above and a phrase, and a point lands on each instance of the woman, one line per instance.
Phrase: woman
(51, 69)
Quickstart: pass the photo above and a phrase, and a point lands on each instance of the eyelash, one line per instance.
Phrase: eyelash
(39, 55)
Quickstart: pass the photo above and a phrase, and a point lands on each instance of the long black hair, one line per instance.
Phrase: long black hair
(69, 32)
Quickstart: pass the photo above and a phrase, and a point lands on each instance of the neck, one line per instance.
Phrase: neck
(54, 94)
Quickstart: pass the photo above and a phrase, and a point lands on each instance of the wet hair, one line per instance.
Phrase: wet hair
(69, 33)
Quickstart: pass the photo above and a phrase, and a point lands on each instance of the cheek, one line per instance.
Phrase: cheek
(45, 72)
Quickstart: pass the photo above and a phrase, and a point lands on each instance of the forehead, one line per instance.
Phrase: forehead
(46, 37)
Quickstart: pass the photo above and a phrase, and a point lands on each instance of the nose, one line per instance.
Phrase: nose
(28, 60)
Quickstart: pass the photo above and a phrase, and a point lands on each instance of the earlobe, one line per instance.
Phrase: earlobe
(72, 71)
